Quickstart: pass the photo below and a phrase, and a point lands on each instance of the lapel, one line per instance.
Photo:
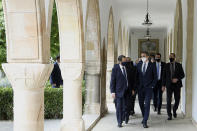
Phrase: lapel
(120, 70)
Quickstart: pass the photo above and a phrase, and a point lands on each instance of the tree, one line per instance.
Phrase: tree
(55, 46)
(2, 37)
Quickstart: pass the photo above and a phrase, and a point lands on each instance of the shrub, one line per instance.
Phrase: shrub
(53, 100)
(6, 104)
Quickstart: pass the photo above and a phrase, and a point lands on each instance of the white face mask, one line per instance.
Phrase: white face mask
(144, 59)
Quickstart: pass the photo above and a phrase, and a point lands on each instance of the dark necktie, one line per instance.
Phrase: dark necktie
(124, 72)
(144, 69)
(172, 70)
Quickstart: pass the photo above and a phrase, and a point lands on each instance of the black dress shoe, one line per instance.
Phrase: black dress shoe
(175, 115)
(145, 125)
(142, 122)
(155, 109)
(120, 126)
(159, 112)
(169, 118)
(132, 113)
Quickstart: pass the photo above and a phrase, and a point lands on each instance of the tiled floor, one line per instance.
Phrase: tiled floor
(156, 122)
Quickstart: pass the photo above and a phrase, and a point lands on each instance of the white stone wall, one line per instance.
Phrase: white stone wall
(194, 105)
(184, 11)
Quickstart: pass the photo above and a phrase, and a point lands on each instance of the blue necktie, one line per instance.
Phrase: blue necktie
(158, 70)
(144, 69)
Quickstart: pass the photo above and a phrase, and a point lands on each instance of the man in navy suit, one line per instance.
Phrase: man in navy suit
(118, 87)
(157, 100)
(146, 81)
(56, 77)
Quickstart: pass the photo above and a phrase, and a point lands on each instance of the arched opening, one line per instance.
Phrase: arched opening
(110, 53)
(92, 58)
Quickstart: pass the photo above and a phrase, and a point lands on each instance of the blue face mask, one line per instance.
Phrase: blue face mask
(124, 63)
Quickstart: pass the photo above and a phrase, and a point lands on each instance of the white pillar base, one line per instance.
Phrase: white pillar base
(72, 125)
(28, 81)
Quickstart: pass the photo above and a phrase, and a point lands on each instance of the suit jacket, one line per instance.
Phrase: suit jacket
(118, 82)
(56, 77)
(149, 80)
(178, 73)
(131, 74)
(163, 64)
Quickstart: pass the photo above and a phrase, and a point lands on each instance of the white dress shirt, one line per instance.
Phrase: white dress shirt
(121, 67)
(146, 65)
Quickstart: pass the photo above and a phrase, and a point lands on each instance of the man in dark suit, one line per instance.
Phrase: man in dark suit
(130, 93)
(118, 87)
(56, 77)
(158, 88)
(146, 81)
(172, 80)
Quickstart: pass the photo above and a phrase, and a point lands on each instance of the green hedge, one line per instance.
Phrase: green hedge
(53, 99)
(6, 104)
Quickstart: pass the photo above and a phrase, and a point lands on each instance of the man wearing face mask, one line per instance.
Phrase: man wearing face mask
(146, 81)
(157, 100)
(118, 87)
(172, 81)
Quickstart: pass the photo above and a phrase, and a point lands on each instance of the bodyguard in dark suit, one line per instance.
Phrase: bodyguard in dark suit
(130, 93)
(56, 77)
(118, 87)
(172, 80)
(146, 81)
(157, 100)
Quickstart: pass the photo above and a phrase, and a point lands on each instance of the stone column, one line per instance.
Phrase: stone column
(28, 81)
(28, 53)
(109, 71)
(93, 58)
(72, 62)
(92, 105)
(72, 74)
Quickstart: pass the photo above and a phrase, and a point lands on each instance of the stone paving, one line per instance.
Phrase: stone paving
(108, 123)
(156, 122)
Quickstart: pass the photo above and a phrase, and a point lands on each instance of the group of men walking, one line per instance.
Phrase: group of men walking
(146, 78)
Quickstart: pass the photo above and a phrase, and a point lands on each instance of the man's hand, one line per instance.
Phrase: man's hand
(175, 80)
(113, 95)
(54, 84)
(163, 88)
(133, 92)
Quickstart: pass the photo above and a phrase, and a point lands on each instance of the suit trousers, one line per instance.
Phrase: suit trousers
(120, 104)
(158, 93)
(144, 96)
(177, 95)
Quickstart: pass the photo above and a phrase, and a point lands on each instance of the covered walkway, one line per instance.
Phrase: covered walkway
(156, 122)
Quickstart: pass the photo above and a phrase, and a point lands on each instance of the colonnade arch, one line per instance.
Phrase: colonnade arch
(93, 58)
(111, 58)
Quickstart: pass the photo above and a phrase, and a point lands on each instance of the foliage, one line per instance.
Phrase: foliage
(53, 102)
(2, 37)
(55, 46)
(6, 102)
